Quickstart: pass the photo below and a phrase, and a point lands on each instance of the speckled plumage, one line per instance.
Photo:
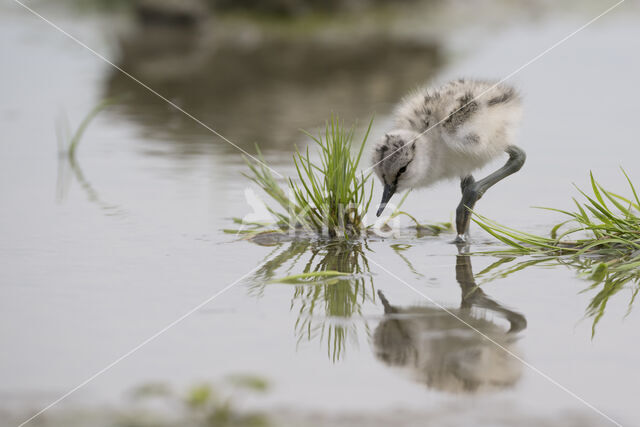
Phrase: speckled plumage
(466, 124)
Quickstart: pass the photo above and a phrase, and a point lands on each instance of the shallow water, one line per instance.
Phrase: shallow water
(99, 256)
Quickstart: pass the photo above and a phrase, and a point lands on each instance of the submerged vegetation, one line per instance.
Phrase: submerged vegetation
(600, 239)
(204, 405)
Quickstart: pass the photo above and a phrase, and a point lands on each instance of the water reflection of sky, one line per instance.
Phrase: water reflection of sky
(80, 286)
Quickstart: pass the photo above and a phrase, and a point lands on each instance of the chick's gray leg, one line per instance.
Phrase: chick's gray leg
(463, 213)
(473, 190)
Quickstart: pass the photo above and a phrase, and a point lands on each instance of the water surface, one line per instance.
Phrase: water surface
(97, 257)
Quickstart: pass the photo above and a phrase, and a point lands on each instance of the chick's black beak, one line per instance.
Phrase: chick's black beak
(386, 195)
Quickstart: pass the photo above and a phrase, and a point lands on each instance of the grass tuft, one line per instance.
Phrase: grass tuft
(600, 239)
(606, 225)
(328, 196)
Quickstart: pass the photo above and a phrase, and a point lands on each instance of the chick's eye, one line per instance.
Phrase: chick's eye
(402, 170)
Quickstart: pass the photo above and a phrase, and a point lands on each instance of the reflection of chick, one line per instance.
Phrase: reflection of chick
(441, 351)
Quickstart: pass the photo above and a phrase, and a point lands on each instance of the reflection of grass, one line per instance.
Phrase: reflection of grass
(328, 195)
(601, 240)
(606, 282)
(301, 279)
(67, 142)
(335, 279)
(398, 249)
(336, 300)
(67, 145)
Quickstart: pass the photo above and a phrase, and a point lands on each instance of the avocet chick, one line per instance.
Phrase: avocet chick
(449, 132)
